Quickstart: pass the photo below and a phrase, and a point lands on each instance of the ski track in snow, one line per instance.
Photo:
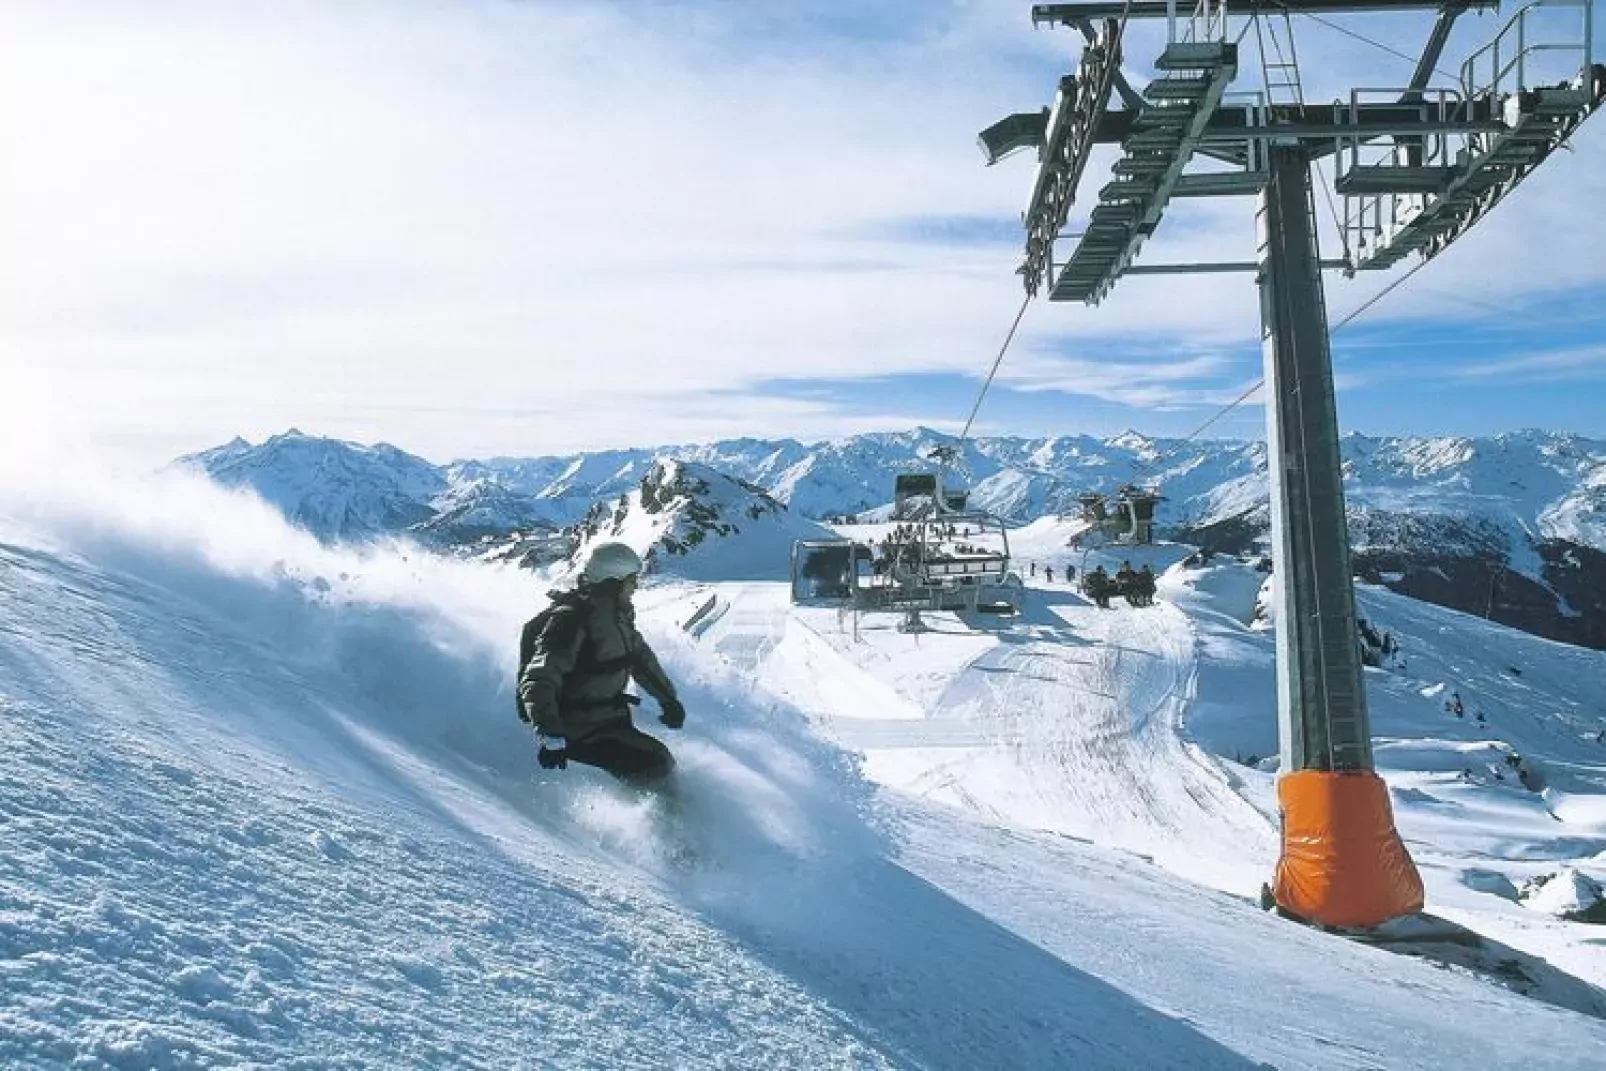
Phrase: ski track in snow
(247, 822)
(1078, 710)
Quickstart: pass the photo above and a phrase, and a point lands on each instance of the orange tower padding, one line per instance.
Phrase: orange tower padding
(1343, 863)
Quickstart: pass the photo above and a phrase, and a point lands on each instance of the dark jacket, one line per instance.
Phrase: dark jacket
(580, 661)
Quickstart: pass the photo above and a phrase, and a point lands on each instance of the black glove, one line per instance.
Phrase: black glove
(674, 715)
(554, 753)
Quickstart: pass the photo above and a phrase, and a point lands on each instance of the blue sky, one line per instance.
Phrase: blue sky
(477, 227)
(1432, 378)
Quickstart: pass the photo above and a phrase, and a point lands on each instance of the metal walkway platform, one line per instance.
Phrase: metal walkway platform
(1401, 219)
(1165, 133)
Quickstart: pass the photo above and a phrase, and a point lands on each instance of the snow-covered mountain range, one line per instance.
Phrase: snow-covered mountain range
(1512, 526)
(342, 492)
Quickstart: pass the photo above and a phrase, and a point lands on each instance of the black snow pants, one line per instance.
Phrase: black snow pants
(624, 751)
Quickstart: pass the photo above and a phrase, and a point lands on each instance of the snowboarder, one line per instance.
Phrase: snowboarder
(577, 658)
(1048, 572)
(1455, 706)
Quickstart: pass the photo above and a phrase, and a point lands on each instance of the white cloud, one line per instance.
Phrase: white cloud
(1189, 380)
(1558, 366)
(425, 221)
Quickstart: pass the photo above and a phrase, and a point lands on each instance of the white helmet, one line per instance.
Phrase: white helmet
(611, 561)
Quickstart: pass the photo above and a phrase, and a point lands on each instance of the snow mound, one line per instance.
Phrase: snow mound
(1221, 585)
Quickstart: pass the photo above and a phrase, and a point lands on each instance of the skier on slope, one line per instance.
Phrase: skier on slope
(576, 659)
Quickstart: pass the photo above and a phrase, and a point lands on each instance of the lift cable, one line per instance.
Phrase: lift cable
(964, 435)
(1297, 83)
(1345, 30)
(1349, 318)
(1354, 315)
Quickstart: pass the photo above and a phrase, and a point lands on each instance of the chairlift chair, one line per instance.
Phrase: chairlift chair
(926, 571)
(1137, 505)
(1126, 517)
(964, 571)
(914, 494)
(918, 493)
(825, 571)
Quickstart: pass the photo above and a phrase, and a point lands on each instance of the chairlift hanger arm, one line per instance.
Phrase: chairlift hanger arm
(1070, 14)
(1432, 50)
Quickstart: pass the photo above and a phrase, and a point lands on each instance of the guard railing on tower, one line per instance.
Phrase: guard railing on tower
(1416, 194)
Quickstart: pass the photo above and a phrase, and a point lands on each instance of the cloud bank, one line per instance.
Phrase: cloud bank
(489, 227)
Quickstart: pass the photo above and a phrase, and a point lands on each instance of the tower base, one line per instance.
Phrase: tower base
(1343, 863)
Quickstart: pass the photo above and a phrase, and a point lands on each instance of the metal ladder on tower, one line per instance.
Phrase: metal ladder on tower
(1279, 62)
(1279, 74)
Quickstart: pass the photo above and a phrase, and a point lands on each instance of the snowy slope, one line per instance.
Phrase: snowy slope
(278, 814)
(268, 805)
(1131, 727)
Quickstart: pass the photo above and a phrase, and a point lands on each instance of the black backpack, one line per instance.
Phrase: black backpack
(532, 631)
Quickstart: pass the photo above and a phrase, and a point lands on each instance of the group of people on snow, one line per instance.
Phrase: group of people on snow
(902, 544)
(1137, 586)
(1048, 572)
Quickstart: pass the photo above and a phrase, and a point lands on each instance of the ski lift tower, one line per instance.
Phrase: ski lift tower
(1417, 166)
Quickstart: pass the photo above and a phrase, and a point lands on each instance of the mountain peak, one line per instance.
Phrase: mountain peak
(334, 489)
(1131, 440)
(691, 520)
